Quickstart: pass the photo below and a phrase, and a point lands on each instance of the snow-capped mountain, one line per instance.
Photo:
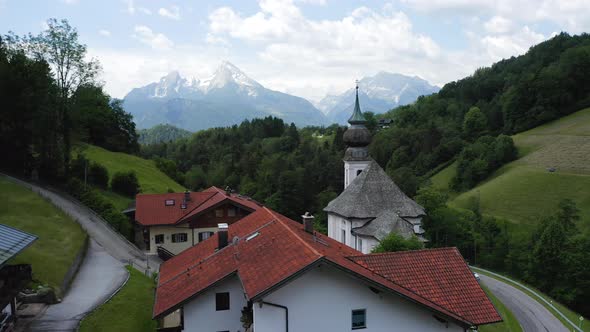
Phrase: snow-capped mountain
(226, 98)
(377, 94)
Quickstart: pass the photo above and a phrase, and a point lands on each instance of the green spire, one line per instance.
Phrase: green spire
(357, 116)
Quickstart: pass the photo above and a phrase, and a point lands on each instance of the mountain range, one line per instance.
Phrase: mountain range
(226, 98)
(377, 94)
(229, 96)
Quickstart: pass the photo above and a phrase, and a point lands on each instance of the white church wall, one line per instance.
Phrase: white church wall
(352, 169)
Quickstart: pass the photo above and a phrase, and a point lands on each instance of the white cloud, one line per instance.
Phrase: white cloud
(498, 24)
(329, 52)
(572, 15)
(172, 13)
(70, 2)
(157, 41)
(145, 11)
(130, 4)
(505, 46)
(104, 33)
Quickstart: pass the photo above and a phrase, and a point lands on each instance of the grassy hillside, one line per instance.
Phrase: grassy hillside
(525, 190)
(151, 179)
(59, 237)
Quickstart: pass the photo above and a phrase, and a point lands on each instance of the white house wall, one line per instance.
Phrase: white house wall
(200, 314)
(176, 247)
(323, 300)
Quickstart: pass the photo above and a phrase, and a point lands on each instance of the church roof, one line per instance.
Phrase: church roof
(370, 194)
(385, 223)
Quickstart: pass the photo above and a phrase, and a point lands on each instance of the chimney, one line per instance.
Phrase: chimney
(227, 191)
(187, 196)
(222, 236)
(308, 222)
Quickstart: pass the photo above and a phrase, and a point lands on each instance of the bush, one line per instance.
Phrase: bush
(96, 202)
(125, 183)
(395, 242)
(98, 175)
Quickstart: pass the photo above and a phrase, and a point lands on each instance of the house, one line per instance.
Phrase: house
(173, 222)
(267, 273)
(371, 206)
(384, 123)
(13, 278)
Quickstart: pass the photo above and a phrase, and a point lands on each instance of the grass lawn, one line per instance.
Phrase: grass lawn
(130, 310)
(524, 191)
(59, 237)
(573, 316)
(510, 324)
(151, 179)
(442, 179)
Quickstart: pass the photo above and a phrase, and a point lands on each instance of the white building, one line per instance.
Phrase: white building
(371, 205)
(268, 273)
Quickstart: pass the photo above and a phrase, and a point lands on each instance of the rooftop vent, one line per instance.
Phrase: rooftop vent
(187, 196)
(169, 202)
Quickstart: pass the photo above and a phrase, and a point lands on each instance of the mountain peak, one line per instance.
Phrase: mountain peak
(228, 73)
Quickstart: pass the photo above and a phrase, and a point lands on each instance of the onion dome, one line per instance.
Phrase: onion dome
(357, 135)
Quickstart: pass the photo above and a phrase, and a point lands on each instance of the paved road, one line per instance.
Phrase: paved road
(531, 315)
(115, 244)
(98, 278)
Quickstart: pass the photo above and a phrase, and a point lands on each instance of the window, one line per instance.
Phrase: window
(343, 235)
(159, 238)
(359, 319)
(169, 202)
(179, 237)
(221, 301)
(359, 244)
(358, 172)
(219, 213)
(204, 235)
(231, 211)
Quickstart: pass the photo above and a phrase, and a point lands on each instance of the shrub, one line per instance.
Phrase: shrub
(396, 242)
(93, 200)
(125, 183)
(98, 175)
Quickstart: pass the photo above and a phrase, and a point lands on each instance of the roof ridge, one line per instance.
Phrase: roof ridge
(402, 252)
(196, 207)
(408, 289)
(293, 232)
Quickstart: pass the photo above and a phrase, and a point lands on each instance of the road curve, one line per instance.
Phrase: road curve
(98, 229)
(531, 315)
(98, 278)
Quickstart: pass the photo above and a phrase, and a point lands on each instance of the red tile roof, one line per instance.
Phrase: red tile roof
(150, 209)
(440, 275)
(282, 249)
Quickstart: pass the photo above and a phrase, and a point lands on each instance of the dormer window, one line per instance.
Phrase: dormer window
(169, 202)
(219, 213)
(231, 211)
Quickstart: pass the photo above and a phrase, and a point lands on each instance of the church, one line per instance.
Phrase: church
(371, 206)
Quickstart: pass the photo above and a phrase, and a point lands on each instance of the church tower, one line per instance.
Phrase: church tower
(357, 138)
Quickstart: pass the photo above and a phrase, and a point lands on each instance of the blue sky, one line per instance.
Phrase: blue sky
(305, 47)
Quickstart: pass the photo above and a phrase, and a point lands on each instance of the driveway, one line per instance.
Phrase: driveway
(531, 315)
(98, 278)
